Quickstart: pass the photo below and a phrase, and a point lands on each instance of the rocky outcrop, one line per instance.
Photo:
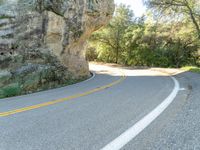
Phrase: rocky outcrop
(42, 42)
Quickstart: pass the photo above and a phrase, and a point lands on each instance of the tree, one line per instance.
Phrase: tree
(183, 8)
(146, 41)
(111, 37)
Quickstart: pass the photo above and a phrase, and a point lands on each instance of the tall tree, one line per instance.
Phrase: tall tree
(111, 37)
(183, 8)
(146, 41)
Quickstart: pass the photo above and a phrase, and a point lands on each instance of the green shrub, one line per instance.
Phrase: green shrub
(10, 90)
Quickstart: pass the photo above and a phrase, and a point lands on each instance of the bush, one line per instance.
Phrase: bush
(10, 90)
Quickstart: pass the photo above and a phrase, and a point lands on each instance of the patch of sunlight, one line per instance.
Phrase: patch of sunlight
(191, 68)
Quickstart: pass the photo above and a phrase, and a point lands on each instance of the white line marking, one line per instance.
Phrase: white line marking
(133, 131)
(182, 89)
(92, 77)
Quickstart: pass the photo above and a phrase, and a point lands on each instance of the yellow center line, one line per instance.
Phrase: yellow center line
(11, 112)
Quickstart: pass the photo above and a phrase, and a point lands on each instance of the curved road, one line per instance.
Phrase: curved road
(91, 115)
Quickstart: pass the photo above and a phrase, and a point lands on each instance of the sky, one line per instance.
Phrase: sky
(136, 5)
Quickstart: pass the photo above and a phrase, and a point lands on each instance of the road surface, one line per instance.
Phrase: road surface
(118, 108)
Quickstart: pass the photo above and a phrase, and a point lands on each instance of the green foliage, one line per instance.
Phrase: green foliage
(145, 41)
(10, 90)
(178, 9)
(43, 78)
(110, 40)
(91, 54)
(192, 69)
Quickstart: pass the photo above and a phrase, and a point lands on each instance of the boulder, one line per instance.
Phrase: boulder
(38, 36)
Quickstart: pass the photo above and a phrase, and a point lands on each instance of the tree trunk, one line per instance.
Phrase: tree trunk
(117, 55)
(193, 19)
(117, 49)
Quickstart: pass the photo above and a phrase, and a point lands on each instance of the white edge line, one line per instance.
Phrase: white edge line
(133, 131)
(92, 77)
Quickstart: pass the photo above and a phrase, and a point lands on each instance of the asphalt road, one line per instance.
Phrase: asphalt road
(90, 115)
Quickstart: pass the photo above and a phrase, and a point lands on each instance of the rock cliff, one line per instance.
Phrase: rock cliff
(42, 42)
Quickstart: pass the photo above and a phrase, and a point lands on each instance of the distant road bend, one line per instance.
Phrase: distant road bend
(118, 108)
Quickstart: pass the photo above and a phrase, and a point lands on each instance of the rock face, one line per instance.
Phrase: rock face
(42, 42)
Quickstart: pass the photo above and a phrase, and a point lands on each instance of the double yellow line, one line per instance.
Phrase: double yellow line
(12, 112)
